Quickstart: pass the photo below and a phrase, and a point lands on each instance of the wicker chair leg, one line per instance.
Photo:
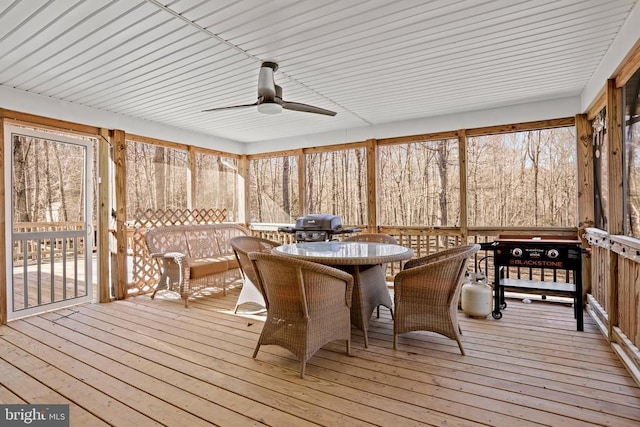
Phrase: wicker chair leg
(303, 365)
(255, 352)
(349, 347)
(460, 345)
(186, 302)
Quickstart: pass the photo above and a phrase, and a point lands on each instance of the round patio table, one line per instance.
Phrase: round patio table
(365, 261)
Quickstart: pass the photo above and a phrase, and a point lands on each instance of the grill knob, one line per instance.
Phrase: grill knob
(517, 252)
(553, 253)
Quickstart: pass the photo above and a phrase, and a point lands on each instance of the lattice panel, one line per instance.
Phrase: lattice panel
(144, 272)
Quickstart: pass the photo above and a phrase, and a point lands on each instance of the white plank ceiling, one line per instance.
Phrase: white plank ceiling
(373, 61)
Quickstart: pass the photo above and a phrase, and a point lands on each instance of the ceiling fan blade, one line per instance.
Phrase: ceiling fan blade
(231, 107)
(266, 83)
(297, 106)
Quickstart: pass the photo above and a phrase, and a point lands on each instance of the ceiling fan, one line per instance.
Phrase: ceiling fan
(270, 96)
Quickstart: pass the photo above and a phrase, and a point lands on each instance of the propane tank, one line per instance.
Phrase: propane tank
(477, 296)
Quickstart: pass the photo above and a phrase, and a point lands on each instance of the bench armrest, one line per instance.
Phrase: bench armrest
(172, 255)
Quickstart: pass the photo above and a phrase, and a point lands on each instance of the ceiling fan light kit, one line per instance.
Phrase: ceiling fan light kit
(270, 96)
(269, 108)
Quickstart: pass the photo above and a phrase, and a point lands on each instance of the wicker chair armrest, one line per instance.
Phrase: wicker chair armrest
(438, 256)
(430, 266)
(338, 274)
(425, 260)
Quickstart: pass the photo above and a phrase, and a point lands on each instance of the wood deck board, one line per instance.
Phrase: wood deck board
(144, 402)
(161, 363)
(195, 339)
(599, 405)
(45, 383)
(481, 393)
(161, 386)
(162, 366)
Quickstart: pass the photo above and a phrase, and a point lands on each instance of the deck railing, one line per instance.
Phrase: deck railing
(615, 292)
(45, 241)
(428, 240)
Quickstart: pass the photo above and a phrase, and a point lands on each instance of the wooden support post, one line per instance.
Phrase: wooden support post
(615, 218)
(302, 182)
(104, 216)
(462, 153)
(191, 176)
(372, 186)
(3, 225)
(586, 191)
(244, 211)
(119, 157)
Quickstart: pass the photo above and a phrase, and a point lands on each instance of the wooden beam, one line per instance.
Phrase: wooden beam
(270, 154)
(120, 160)
(418, 138)
(598, 104)
(372, 186)
(179, 146)
(48, 123)
(336, 147)
(3, 226)
(519, 127)
(462, 154)
(629, 66)
(104, 216)
(586, 191)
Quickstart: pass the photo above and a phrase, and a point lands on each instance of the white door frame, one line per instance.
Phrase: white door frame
(85, 233)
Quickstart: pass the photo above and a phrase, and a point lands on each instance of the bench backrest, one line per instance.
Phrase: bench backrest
(195, 241)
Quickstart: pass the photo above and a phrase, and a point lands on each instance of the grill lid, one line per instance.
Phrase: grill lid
(327, 222)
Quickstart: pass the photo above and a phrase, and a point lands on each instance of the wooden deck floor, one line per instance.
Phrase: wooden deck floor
(146, 362)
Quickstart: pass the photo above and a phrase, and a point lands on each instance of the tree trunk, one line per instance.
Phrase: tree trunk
(20, 155)
(63, 199)
(47, 176)
(286, 203)
(443, 157)
(159, 177)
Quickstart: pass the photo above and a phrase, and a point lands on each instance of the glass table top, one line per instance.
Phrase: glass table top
(345, 250)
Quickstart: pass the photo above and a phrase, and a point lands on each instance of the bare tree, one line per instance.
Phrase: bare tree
(21, 150)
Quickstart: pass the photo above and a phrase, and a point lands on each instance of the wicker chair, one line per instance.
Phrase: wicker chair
(375, 238)
(308, 305)
(426, 293)
(251, 291)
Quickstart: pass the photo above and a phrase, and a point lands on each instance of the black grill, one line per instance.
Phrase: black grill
(541, 252)
(317, 228)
